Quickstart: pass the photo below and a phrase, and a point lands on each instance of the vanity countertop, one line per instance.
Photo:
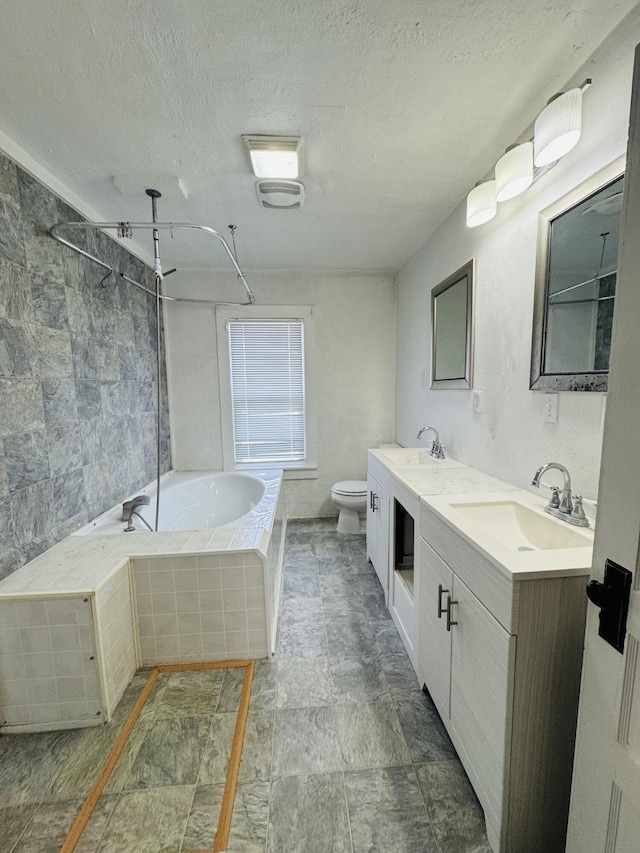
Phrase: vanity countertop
(507, 525)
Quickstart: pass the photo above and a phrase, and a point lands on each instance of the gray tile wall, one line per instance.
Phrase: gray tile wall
(77, 375)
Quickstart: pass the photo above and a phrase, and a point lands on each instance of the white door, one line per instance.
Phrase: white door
(605, 798)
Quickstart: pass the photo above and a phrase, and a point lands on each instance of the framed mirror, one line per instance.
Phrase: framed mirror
(575, 286)
(452, 330)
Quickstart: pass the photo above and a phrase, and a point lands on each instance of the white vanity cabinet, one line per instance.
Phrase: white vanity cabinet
(501, 659)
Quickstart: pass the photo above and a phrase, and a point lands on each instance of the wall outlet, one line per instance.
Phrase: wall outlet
(478, 402)
(550, 408)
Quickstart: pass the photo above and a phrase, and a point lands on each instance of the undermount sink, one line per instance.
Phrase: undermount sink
(522, 528)
(410, 456)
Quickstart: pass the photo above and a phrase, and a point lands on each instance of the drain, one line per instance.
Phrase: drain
(525, 548)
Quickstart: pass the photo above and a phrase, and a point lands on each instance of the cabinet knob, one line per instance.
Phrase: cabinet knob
(450, 604)
(441, 609)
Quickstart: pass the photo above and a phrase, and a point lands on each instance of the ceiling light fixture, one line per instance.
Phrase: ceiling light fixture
(481, 203)
(274, 156)
(557, 128)
(514, 171)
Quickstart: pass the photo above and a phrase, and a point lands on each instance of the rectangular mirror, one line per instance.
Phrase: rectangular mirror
(452, 330)
(576, 268)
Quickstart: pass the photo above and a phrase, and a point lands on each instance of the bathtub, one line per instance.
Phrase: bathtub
(198, 500)
(206, 585)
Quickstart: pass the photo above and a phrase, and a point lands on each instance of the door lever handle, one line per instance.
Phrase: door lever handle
(612, 597)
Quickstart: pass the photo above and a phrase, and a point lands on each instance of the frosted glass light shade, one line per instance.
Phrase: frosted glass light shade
(481, 204)
(514, 171)
(557, 128)
(274, 156)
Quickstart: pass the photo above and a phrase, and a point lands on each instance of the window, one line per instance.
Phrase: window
(264, 383)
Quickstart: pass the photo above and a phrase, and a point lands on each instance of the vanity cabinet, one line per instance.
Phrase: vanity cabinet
(501, 659)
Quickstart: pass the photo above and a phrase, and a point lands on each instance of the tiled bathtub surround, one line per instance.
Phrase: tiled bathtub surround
(77, 375)
(168, 597)
(196, 608)
(48, 665)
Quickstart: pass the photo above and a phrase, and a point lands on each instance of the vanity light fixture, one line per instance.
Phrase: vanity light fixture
(556, 132)
(514, 171)
(274, 156)
(557, 128)
(481, 203)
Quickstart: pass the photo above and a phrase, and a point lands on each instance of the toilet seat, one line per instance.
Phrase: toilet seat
(351, 488)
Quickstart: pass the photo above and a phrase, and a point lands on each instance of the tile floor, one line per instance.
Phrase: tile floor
(342, 752)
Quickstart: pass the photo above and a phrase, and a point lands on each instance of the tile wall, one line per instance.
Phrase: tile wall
(207, 607)
(117, 636)
(77, 375)
(48, 665)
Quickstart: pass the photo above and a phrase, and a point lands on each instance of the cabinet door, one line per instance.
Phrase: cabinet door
(482, 659)
(433, 639)
(378, 531)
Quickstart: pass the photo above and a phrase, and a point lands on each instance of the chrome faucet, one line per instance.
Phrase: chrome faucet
(129, 509)
(437, 450)
(566, 506)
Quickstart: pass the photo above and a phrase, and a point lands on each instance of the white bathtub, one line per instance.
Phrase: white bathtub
(241, 521)
(206, 588)
(199, 500)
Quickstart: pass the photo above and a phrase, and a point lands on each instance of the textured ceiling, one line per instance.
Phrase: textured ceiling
(402, 105)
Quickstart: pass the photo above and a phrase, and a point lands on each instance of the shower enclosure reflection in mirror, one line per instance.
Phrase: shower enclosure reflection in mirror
(576, 267)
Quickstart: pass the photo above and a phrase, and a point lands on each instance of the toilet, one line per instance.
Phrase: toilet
(350, 496)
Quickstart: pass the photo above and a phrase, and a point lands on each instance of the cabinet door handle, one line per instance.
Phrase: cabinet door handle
(450, 621)
(441, 609)
(371, 501)
(374, 502)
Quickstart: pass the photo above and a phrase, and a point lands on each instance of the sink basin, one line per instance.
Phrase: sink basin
(410, 456)
(522, 528)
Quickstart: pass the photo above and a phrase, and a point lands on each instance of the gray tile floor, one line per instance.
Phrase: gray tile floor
(342, 751)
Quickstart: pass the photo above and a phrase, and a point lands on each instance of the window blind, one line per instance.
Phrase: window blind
(267, 390)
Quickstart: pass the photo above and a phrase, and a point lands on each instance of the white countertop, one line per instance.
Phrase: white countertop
(439, 483)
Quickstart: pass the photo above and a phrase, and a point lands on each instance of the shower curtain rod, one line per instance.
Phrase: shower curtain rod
(124, 229)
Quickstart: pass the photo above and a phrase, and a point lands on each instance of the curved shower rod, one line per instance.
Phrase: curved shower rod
(125, 228)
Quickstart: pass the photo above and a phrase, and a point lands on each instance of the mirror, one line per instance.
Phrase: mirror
(452, 330)
(575, 287)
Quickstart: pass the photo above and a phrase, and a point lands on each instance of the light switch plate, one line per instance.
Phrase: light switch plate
(550, 408)
(478, 402)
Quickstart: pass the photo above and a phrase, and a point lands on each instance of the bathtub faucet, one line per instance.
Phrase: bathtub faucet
(129, 507)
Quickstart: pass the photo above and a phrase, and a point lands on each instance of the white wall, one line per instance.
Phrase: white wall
(355, 331)
(509, 438)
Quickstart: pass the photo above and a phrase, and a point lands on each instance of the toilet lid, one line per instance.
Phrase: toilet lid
(351, 487)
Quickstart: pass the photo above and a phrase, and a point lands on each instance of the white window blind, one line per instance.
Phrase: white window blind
(267, 390)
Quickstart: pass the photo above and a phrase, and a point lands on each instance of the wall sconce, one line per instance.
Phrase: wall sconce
(274, 156)
(557, 128)
(556, 131)
(481, 203)
(514, 171)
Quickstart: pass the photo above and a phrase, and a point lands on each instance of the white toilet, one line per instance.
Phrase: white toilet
(350, 496)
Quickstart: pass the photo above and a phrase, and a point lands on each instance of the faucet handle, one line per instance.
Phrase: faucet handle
(554, 500)
(578, 510)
